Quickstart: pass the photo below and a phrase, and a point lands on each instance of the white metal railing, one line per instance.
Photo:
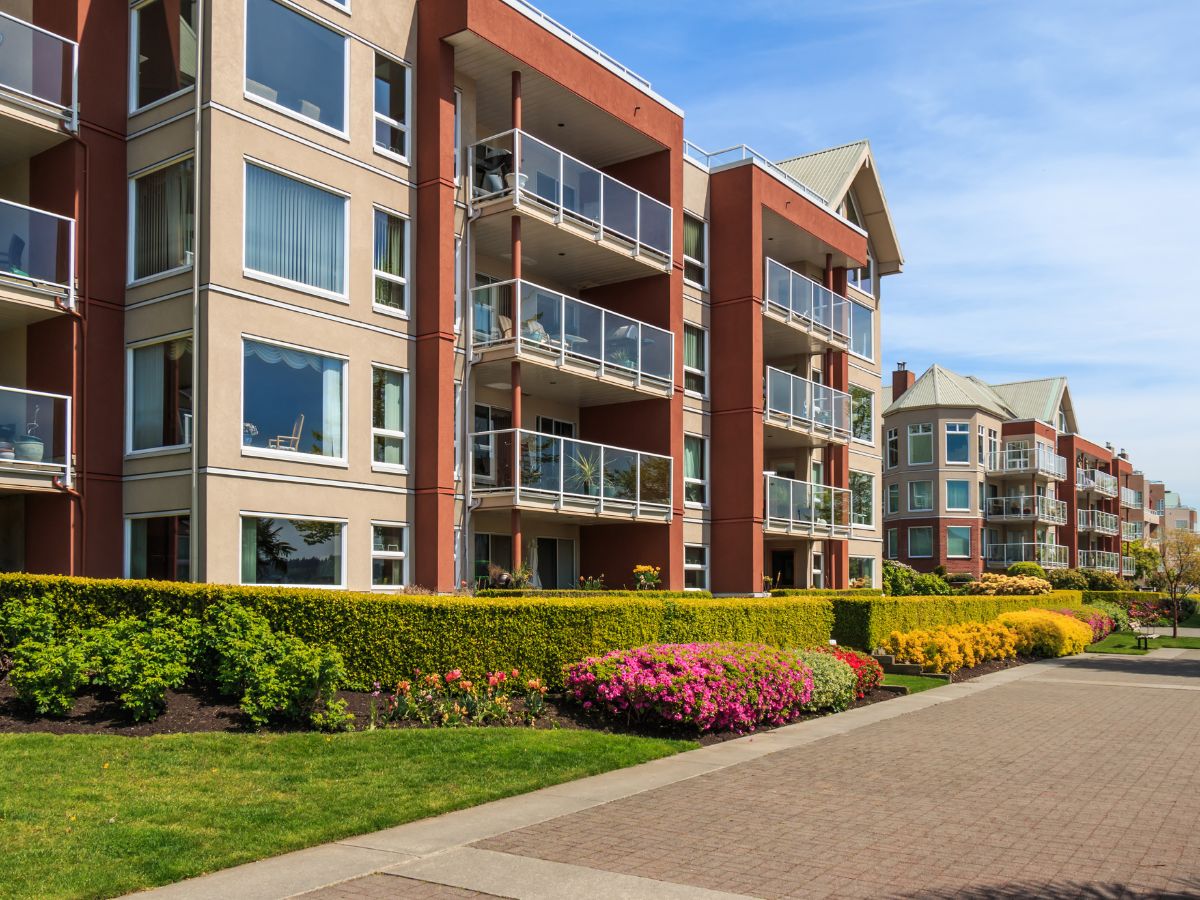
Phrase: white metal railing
(806, 303)
(1095, 480)
(37, 248)
(1098, 521)
(514, 163)
(1128, 567)
(1027, 508)
(1133, 531)
(39, 65)
(35, 432)
(797, 403)
(1023, 460)
(537, 320)
(575, 475)
(1049, 556)
(1104, 560)
(1131, 499)
(803, 507)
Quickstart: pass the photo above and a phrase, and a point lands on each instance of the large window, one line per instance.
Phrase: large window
(920, 444)
(492, 551)
(160, 390)
(158, 547)
(862, 498)
(893, 499)
(391, 107)
(893, 448)
(862, 414)
(695, 251)
(163, 220)
(388, 425)
(862, 571)
(920, 543)
(920, 496)
(864, 278)
(295, 64)
(958, 495)
(292, 401)
(295, 231)
(695, 360)
(279, 550)
(958, 442)
(958, 541)
(164, 50)
(695, 469)
(391, 263)
(893, 543)
(388, 555)
(862, 330)
(695, 567)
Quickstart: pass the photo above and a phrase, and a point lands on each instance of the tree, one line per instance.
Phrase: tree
(1179, 569)
(1146, 559)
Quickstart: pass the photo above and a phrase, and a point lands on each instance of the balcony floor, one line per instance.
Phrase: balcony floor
(17, 477)
(777, 436)
(573, 510)
(22, 303)
(27, 128)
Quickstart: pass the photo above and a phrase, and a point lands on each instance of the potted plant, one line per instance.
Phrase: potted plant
(29, 447)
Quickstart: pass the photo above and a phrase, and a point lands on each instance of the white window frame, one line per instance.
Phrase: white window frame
(458, 425)
(130, 453)
(893, 490)
(344, 133)
(967, 482)
(892, 546)
(871, 477)
(874, 568)
(702, 481)
(540, 421)
(950, 555)
(920, 429)
(908, 546)
(342, 461)
(458, 281)
(376, 116)
(134, 50)
(127, 563)
(403, 435)
(962, 428)
(299, 286)
(702, 372)
(912, 508)
(692, 567)
(404, 280)
(893, 434)
(872, 311)
(401, 555)
(703, 286)
(249, 514)
(871, 395)
(131, 222)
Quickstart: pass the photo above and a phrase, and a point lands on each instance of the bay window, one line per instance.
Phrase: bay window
(920, 444)
(292, 401)
(920, 496)
(893, 499)
(920, 543)
(893, 448)
(958, 443)
(958, 541)
(958, 495)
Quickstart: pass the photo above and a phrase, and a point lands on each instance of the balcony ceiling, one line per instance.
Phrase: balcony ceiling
(791, 245)
(25, 133)
(541, 378)
(19, 308)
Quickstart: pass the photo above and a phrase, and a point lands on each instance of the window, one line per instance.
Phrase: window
(695, 251)
(388, 566)
(556, 427)
(993, 448)
(920, 543)
(695, 469)
(980, 448)
(893, 543)
(292, 401)
(158, 547)
(958, 541)
(920, 444)
(862, 330)
(862, 499)
(163, 51)
(281, 550)
(958, 495)
(458, 96)
(920, 496)
(893, 448)
(163, 220)
(958, 443)
(391, 264)
(862, 414)
(295, 64)
(492, 550)
(160, 395)
(862, 571)
(695, 567)
(483, 445)
(388, 423)
(458, 286)
(391, 108)
(864, 278)
(893, 499)
(695, 360)
(295, 231)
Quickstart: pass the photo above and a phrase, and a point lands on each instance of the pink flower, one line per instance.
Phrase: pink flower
(453, 675)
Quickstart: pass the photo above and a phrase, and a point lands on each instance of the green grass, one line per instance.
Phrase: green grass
(100, 815)
(1125, 642)
(914, 683)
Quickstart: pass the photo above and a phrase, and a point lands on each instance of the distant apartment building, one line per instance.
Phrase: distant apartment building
(362, 295)
(1174, 514)
(978, 476)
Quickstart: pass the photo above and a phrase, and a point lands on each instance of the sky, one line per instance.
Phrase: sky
(1040, 158)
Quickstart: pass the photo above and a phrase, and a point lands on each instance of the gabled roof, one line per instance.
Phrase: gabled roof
(1039, 399)
(941, 387)
(832, 173)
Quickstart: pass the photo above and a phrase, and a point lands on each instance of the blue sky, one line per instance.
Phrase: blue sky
(1040, 160)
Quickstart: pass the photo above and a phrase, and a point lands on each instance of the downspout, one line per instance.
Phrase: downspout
(194, 542)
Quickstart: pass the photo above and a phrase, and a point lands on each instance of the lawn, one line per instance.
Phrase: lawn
(915, 683)
(98, 815)
(1125, 642)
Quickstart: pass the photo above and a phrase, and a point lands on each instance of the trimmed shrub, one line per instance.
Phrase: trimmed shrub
(901, 580)
(1104, 581)
(713, 687)
(1044, 633)
(578, 593)
(1100, 622)
(46, 675)
(992, 585)
(835, 686)
(823, 592)
(867, 671)
(1067, 579)
(1122, 597)
(958, 579)
(1028, 569)
(953, 647)
(139, 660)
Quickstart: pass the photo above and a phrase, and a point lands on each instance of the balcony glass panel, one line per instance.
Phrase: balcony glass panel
(34, 430)
(37, 63)
(804, 298)
(35, 246)
(804, 504)
(806, 402)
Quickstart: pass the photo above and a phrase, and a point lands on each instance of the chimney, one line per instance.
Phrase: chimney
(902, 380)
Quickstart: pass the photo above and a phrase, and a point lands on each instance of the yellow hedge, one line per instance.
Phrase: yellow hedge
(1042, 633)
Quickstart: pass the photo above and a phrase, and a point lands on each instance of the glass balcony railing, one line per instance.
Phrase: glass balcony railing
(539, 321)
(797, 403)
(1048, 556)
(37, 248)
(517, 164)
(38, 65)
(1131, 499)
(803, 302)
(1034, 508)
(801, 506)
(1095, 480)
(35, 433)
(574, 475)
(1133, 531)
(1128, 567)
(1097, 521)
(1027, 460)
(1104, 560)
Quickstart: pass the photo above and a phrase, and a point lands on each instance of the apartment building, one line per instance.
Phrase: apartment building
(368, 294)
(1173, 513)
(978, 476)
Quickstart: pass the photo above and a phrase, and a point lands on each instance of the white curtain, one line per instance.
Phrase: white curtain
(331, 407)
(294, 230)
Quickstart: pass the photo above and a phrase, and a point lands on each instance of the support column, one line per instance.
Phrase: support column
(837, 376)
(516, 99)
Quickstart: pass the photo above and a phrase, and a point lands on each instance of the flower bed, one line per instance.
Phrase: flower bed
(835, 686)
(1098, 620)
(868, 674)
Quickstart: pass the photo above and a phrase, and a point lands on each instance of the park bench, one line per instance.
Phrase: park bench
(1144, 636)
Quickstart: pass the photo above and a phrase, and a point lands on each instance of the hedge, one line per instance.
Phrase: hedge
(574, 592)
(384, 637)
(1124, 598)
(865, 622)
(823, 592)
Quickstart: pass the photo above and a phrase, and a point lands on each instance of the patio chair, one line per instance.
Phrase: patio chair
(289, 441)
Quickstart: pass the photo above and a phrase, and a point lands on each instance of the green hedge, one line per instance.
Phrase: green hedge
(865, 622)
(572, 592)
(1124, 598)
(822, 592)
(385, 637)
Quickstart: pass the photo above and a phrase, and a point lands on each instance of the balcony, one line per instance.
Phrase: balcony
(35, 440)
(586, 355)
(800, 412)
(1128, 567)
(1132, 531)
(806, 509)
(37, 264)
(38, 75)
(577, 480)
(1104, 560)
(1032, 508)
(815, 316)
(587, 226)
(1096, 482)
(1096, 521)
(1048, 556)
(1040, 462)
(1131, 499)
